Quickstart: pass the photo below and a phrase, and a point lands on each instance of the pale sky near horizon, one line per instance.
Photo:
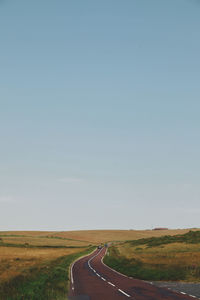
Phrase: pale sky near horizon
(99, 114)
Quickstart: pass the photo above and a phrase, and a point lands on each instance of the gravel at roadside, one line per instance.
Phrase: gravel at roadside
(188, 288)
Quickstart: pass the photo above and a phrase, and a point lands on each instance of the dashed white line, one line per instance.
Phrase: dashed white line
(113, 269)
(179, 292)
(189, 295)
(124, 293)
(127, 295)
(111, 283)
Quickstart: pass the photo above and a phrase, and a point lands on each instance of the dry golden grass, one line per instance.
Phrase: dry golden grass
(43, 241)
(27, 233)
(102, 236)
(166, 251)
(14, 261)
(170, 255)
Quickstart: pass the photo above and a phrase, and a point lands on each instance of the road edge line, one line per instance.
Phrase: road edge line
(71, 281)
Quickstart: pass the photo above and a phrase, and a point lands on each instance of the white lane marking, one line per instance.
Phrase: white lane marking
(72, 278)
(89, 261)
(113, 269)
(93, 258)
(71, 273)
(127, 295)
(188, 295)
(111, 283)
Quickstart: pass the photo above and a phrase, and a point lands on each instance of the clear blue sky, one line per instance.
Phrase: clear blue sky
(99, 114)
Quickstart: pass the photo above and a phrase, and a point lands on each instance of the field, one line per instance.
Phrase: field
(34, 274)
(35, 265)
(51, 241)
(15, 261)
(103, 236)
(160, 258)
(85, 236)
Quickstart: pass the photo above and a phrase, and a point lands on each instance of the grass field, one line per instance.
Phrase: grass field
(33, 274)
(160, 258)
(15, 261)
(89, 236)
(42, 241)
(102, 236)
(35, 265)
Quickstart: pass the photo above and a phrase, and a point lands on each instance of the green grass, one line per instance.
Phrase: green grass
(155, 259)
(137, 269)
(26, 245)
(192, 237)
(45, 282)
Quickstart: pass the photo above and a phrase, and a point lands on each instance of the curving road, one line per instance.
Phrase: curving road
(91, 279)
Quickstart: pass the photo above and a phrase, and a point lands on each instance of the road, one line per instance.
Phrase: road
(91, 279)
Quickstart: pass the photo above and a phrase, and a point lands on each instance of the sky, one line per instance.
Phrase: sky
(99, 114)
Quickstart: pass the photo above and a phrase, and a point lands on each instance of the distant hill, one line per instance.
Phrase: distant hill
(91, 236)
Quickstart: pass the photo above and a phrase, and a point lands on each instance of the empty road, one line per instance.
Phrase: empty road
(92, 280)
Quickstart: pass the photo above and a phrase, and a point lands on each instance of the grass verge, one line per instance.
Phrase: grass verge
(165, 258)
(45, 282)
(137, 269)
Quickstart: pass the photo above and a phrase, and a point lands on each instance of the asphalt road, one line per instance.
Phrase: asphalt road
(92, 280)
